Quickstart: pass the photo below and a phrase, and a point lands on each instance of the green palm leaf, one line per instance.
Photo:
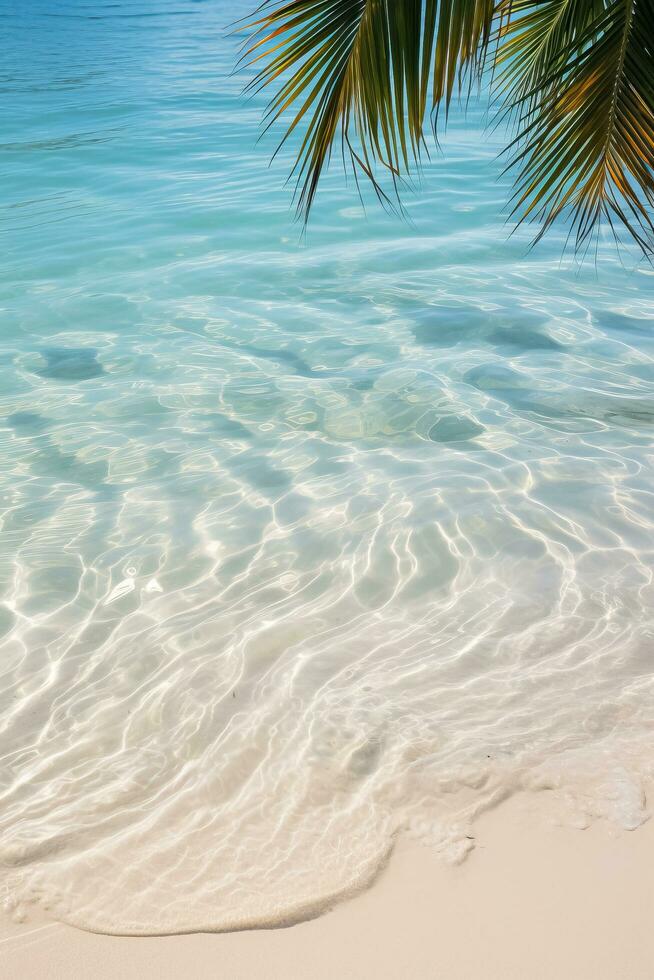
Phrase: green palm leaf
(534, 39)
(576, 77)
(371, 69)
(584, 95)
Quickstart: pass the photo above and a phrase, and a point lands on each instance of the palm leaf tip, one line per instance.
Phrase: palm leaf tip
(576, 77)
(584, 99)
(362, 69)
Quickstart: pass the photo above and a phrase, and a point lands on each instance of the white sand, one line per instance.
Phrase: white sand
(534, 900)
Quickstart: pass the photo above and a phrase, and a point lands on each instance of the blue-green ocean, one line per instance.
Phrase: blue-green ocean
(309, 541)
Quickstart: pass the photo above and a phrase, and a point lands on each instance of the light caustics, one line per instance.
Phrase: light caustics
(305, 546)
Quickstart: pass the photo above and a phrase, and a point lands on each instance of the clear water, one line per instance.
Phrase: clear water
(305, 544)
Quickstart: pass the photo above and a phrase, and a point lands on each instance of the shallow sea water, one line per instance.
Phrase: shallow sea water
(306, 544)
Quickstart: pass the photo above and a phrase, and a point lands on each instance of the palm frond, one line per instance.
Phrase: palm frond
(462, 38)
(585, 102)
(576, 77)
(533, 40)
(364, 67)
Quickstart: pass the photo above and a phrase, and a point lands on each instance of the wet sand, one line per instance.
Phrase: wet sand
(534, 900)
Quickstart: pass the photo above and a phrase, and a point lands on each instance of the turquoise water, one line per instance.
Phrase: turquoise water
(307, 542)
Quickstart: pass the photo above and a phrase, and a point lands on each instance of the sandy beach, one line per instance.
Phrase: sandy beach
(535, 900)
(327, 545)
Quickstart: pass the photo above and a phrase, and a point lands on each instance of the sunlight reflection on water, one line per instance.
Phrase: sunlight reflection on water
(304, 543)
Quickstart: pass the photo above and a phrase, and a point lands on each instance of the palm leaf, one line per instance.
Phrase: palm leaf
(575, 76)
(364, 68)
(534, 38)
(585, 101)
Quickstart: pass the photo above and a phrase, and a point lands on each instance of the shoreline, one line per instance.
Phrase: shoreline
(535, 899)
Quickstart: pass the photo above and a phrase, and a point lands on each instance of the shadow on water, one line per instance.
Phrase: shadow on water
(283, 357)
(253, 467)
(444, 326)
(455, 428)
(561, 408)
(621, 323)
(70, 363)
(520, 338)
(224, 426)
(360, 378)
(48, 460)
(27, 423)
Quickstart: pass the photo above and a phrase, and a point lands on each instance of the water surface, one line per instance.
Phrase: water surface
(306, 543)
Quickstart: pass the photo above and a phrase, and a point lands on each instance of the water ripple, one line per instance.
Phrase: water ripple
(306, 543)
